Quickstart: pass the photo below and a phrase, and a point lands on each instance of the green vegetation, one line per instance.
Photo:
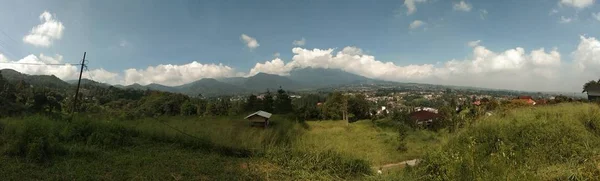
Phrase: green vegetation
(219, 148)
(543, 143)
(127, 134)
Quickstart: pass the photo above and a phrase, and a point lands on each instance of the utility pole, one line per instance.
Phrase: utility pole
(78, 83)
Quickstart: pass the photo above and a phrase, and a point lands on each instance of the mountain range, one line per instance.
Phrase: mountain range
(300, 79)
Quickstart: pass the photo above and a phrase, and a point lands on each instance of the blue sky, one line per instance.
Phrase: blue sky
(136, 34)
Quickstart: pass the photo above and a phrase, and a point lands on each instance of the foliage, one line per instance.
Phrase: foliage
(334, 106)
(548, 143)
(267, 102)
(283, 102)
(359, 106)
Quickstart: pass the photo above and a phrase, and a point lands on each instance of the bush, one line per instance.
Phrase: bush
(524, 145)
(97, 133)
(33, 139)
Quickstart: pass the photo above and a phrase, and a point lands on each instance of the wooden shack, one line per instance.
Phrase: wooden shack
(259, 118)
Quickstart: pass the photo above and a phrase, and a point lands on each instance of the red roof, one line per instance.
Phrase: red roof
(525, 97)
(423, 115)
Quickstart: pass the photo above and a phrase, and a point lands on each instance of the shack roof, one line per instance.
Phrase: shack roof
(261, 114)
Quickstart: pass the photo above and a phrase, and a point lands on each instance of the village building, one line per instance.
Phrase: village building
(259, 118)
(425, 118)
(526, 99)
(593, 92)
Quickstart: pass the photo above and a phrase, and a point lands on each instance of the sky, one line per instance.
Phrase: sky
(534, 45)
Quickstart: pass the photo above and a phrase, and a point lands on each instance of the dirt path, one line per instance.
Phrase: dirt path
(399, 164)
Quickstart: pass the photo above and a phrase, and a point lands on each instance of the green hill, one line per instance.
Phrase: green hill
(47, 81)
(209, 87)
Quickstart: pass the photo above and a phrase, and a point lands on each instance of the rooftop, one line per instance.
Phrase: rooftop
(260, 113)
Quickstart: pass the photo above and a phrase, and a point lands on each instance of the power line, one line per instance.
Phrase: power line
(89, 72)
(2, 31)
(22, 63)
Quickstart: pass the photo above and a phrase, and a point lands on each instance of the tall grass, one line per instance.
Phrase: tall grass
(543, 143)
(51, 142)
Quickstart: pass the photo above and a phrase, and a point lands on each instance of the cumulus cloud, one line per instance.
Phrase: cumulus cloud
(350, 59)
(300, 42)
(23, 65)
(44, 34)
(177, 74)
(596, 16)
(411, 5)
(416, 24)
(474, 43)
(538, 69)
(565, 20)
(275, 66)
(249, 41)
(587, 55)
(577, 3)
(462, 6)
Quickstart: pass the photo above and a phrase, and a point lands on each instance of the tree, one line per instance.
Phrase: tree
(187, 109)
(333, 108)
(267, 103)
(358, 106)
(403, 116)
(306, 107)
(587, 86)
(252, 103)
(283, 103)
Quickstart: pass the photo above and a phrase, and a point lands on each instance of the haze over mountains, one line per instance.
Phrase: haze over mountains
(301, 79)
(298, 80)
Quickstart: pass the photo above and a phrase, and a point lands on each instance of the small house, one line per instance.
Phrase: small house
(424, 117)
(593, 92)
(259, 118)
(526, 99)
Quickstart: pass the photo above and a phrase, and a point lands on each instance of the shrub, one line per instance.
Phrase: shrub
(525, 144)
(33, 139)
(104, 134)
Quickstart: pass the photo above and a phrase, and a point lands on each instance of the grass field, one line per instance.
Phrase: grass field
(199, 148)
(545, 143)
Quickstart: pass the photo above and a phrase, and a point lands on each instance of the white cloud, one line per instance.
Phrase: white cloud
(587, 55)
(300, 42)
(483, 14)
(416, 24)
(474, 43)
(350, 59)
(411, 5)
(43, 34)
(249, 41)
(462, 6)
(596, 16)
(3, 58)
(103, 76)
(577, 3)
(510, 69)
(276, 54)
(177, 74)
(565, 20)
(275, 66)
(23, 65)
(554, 11)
